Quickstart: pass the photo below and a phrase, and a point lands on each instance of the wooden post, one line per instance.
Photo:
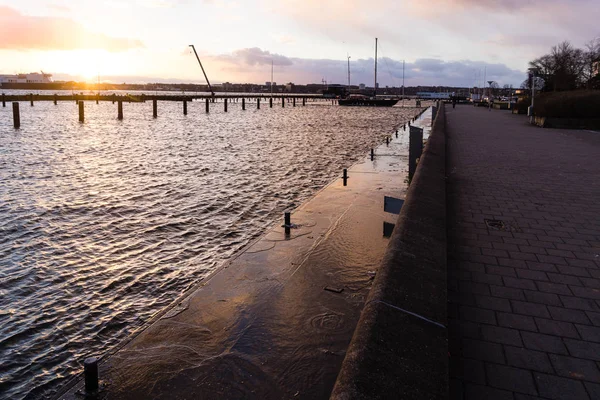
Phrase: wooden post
(55, 99)
(185, 107)
(225, 104)
(207, 106)
(90, 374)
(258, 103)
(76, 100)
(120, 109)
(31, 98)
(243, 103)
(372, 154)
(16, 115)
(3, 100)
(387, 140)
(303, 101)
(114, 98)
(345, 177)
(294, 102)
(81, 112)
(282, 102)
(270, 102)
(415, 148)
(97, 98)
(154, 108)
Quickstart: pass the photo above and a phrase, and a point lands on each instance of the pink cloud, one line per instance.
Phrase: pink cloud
(23, 32)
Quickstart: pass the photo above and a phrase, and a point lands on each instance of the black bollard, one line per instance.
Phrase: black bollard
(185, 107)
(119, 109)
(271, 102)
(16, 115)
(81, 112)
(415, 148)
(372, 154)
(287, 222)
(345, 177)
(31, 98)
(154, 108)
(258, 103)
(207, 106)
(3, 100)
(225, 105)
(90, 372)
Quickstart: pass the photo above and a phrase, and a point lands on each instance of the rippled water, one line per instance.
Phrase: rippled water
(103, 224)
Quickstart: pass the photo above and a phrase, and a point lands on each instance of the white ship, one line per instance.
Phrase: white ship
(34, 77)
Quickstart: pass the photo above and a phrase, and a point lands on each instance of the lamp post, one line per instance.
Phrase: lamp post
(490, 94)
(530, 110)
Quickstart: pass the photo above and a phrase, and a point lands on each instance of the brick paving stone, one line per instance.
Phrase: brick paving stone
(568, 315)
(589, 333)
(554, 387)
(541, 342)
(483, 350)
(528, 359)
(516, 321)
(593, 390)
(557, 328)
(523, 302)
(479, 392)
(510, 378)
(501, 335)
(493, 303)
(575, 368)
(583, 349)
(525, 308)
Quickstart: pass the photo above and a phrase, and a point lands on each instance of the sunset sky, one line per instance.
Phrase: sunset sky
(443, 42)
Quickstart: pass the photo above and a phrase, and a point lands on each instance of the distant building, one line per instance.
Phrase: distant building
(269, 84)
(290, 87)
(361, 86)
(34, 77)
(433, 95)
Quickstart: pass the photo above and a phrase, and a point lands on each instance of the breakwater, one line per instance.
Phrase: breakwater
(104, 223)
(400, 346)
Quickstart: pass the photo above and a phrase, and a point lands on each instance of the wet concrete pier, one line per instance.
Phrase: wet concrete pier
(274, 322)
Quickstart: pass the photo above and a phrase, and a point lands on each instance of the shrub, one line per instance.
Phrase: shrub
(572, 104)
(522, 104)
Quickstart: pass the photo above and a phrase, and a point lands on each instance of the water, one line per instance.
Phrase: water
(103, 224)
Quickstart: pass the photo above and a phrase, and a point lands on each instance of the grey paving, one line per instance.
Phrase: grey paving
(523, 287)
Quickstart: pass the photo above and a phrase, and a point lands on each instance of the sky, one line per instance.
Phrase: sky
(433, 42)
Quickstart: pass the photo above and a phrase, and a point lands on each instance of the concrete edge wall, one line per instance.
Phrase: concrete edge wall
(400, 346)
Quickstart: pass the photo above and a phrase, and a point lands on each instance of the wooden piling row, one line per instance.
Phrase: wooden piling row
(16, 115)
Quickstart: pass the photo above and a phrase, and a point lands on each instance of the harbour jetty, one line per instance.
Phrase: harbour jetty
(275, 321)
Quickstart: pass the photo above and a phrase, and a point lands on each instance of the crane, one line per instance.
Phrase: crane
(205, 77)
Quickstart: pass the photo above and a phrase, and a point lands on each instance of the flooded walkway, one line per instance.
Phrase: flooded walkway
(275, 322)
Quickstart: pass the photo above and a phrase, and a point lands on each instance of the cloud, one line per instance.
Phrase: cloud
(253, 65)
(23, 32)
(255, 56)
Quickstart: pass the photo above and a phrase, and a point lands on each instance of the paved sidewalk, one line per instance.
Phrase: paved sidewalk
(524, 287)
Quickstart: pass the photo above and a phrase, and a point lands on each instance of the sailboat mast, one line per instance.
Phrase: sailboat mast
(375, 85)
(348, 72)
(271, 78)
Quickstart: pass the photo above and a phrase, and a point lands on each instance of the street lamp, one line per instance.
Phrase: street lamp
(530, 110)
(490, 94)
